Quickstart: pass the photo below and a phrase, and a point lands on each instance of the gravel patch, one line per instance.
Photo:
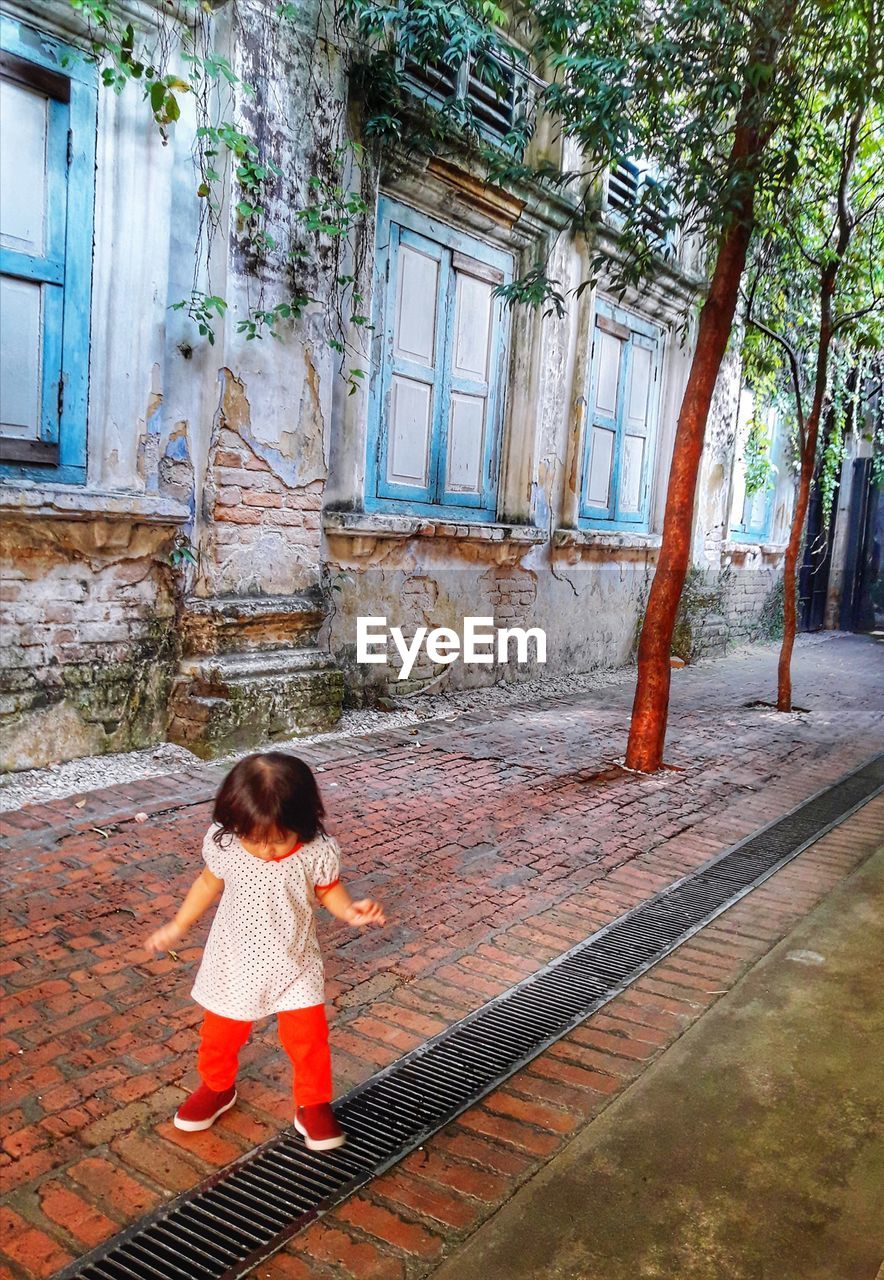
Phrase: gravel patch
(90, 773)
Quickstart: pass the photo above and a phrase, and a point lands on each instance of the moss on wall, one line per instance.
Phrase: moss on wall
(92, 706)
(770, 619)
(701, 630)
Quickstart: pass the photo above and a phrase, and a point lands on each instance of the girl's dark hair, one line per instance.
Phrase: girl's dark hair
(267, 794)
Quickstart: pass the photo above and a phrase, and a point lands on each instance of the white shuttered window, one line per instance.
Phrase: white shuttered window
(437, 390)
(621, 424)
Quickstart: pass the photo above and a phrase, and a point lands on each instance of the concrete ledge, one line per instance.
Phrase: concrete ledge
(361, 524)
(69, 502)
(235, 624)
(734, 548)
(231, 667)
(616, 540)
(229, 702)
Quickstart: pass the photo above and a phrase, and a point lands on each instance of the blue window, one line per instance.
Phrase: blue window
(752, 513)
(437, 392)
(48, 105)
(755, 517)
(621, 420)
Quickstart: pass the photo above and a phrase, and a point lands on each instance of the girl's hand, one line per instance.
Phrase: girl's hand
(164, 938)
(365, 911)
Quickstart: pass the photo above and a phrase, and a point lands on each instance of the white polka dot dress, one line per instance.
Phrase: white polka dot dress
(262, 955)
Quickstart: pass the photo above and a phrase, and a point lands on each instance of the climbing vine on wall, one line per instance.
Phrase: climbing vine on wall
(177, 60)
(761, 375)
(177, 64)
(758, 468)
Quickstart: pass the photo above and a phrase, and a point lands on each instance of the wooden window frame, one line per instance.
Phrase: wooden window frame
(633, 331)
(62, 75)
(400, 224)
(759, 531)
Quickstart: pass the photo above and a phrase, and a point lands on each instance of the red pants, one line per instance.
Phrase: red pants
(304, 1036)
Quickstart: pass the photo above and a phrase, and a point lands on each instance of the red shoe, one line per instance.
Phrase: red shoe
(320, 1129)
(203, 1107)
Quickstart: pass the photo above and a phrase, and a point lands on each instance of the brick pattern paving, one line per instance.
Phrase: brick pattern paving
(409, 1219)
(495, 844)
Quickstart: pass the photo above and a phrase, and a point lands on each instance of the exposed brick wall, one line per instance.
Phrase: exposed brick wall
(512, 599)
(418, 608)
(248, 493)
(752, 602)
(88, 639)
(263, 534)
(440, 597)
(512, 595)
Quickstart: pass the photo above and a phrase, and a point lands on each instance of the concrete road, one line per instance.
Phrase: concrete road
(752, 1150)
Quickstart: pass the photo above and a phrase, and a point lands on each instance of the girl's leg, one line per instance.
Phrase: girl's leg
(304, 1036)
(220, 1042)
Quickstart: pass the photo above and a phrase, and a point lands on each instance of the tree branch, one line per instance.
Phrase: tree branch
(808, 257)
(850, 316)
(793, 366)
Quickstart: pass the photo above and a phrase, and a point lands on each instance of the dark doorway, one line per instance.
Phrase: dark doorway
(813, 576)
(861, 597)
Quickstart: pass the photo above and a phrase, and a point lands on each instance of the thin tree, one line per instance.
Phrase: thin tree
(817, 284)
(715, 97)
(753, 126)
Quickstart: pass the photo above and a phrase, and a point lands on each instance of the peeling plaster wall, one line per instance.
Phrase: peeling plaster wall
(264, 448)
(588, 611)
(260, 518)
(237, 447)
(224, 446)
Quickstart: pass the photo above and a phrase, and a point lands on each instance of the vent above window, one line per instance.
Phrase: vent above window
(492, 92)
(623, 187)
(433, 79)
(495, 91)
(629, 188)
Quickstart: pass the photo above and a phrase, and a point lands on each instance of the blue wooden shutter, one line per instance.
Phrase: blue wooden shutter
(470, 383)
(609, 360)
(414, 344)
(438, 358)
(35, 110)
(45, 253)
(621, 419)
(639, 404)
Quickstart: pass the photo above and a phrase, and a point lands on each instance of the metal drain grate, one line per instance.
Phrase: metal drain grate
(223, 1228)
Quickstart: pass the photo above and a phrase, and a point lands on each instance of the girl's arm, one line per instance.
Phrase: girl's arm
(338, 901)
(200, 896)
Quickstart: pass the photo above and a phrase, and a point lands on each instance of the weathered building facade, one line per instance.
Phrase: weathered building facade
(192, 527)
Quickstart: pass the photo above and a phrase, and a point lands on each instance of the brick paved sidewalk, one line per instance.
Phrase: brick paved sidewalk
(494, 846)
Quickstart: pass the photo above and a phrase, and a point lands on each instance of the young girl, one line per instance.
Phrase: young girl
(269, 857)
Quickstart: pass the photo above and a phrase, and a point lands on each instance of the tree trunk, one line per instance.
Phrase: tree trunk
(647, 730)
(805, 479)
(845, 226)
(790, 568)
(648, 727)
